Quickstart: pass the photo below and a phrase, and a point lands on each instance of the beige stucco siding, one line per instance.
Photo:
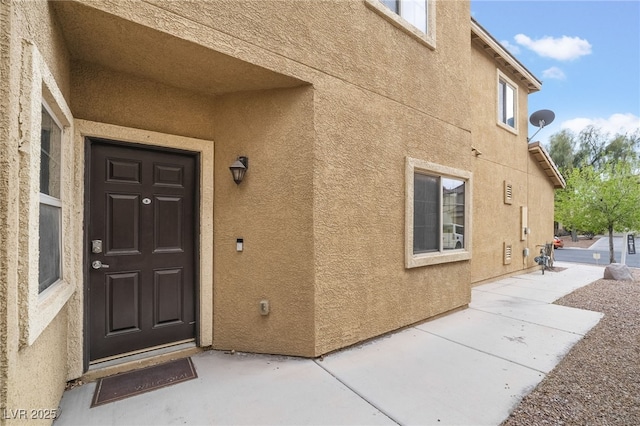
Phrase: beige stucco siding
(331, 102)
(349, 41)
(416, 105)
(504, 158)
(271, 210)
(363, 288)
(38, 375)
(8, 204)
(42, 365)
(103, 95)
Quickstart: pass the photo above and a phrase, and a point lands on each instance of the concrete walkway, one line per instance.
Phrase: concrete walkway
(468, 368)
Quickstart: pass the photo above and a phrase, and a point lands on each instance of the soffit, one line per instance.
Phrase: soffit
(485, 41)
(119, 44)
(543, 158)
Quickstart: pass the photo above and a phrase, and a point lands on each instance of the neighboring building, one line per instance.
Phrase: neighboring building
(376, 143)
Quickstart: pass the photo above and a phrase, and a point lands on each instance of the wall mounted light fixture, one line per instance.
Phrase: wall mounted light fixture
(239, 168)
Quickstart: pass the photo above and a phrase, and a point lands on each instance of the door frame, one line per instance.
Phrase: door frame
(89, 143)
(203, 269)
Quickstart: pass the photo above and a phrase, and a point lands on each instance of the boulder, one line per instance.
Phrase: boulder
(618, 272)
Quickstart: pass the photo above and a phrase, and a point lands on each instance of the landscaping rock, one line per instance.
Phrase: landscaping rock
(618, 272)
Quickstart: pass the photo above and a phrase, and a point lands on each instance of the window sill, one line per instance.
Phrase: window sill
(49, 303)
(400, 23)
(427, 259)
(508, 128)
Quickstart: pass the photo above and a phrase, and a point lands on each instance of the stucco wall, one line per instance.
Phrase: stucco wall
(103, 95)
(362, 286)
(40, 366)
(389, 98)
(322, 208)
(8, 174)
(272, 211)
(504, 157)
(366, 127)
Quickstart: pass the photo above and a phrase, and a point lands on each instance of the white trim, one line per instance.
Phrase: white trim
(49, 200)
(516, 96)
(52, 114)
(205, 234)
(413, 165)
(428, 38)
(39, 89)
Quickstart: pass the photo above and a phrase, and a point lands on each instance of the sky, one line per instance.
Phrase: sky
(586, 53)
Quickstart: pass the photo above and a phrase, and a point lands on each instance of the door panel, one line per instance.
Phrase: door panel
(123, 306)
(142, 205)
(123, 220)
(168, 296)
(168, 225)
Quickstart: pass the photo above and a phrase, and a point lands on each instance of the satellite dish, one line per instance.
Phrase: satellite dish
(540, 119)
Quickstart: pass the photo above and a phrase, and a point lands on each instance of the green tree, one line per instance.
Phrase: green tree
(592, 147)
(623, 148)
(599, 198)
(561, 149)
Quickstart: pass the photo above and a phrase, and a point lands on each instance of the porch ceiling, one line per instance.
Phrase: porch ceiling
(95, 36)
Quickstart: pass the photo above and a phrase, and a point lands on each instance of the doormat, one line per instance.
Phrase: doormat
(136, 382)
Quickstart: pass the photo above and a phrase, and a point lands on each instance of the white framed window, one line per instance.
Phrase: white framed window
(507, 102)
(413, 11)
(438, 208)
(50, 209)
(46, 171)
(415, 17)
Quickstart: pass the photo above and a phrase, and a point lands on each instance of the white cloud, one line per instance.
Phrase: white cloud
(554, 73)
(512, 48)
(617, 123)
(562, 49)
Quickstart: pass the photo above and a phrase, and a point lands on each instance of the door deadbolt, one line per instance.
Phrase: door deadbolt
(96, 246)
(96, 264)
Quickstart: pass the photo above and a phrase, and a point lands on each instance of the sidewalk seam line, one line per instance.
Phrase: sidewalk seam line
(384, 412)
(483, 352)
(535, 323)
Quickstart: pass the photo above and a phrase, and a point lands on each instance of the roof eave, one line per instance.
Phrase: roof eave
(490, 45)
(547, 164)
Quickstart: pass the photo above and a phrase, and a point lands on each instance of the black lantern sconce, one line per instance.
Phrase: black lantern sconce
(239, 168)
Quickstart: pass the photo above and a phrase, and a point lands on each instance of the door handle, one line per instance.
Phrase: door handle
(96, 264)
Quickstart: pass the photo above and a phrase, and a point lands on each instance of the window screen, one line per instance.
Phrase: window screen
(426, 213)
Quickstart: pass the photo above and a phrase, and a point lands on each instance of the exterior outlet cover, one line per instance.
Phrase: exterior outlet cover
(264, 307)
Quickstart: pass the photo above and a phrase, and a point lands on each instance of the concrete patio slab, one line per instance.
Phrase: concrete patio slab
(560, 317)
(421, 379)
(471, 367)
(532, 345)
(240, 389)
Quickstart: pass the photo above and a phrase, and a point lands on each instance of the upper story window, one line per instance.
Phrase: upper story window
(413, 11)
(507, 102)
(50, 236)
(437, 214)
(416, 18)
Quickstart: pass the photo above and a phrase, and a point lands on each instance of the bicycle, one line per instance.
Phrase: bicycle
(545, 260)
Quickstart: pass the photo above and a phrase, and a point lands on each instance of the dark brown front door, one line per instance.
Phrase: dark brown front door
(141, 248)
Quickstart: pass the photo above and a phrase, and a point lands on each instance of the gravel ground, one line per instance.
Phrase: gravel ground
(598, 381)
